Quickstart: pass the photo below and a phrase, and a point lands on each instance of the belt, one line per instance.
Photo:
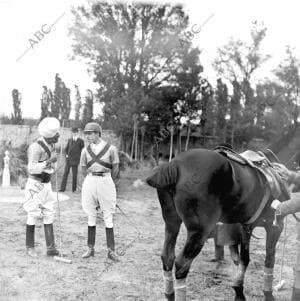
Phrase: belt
(44, 177)
(98, 174)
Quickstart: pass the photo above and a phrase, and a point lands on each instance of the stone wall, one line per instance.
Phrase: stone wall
(20, 134)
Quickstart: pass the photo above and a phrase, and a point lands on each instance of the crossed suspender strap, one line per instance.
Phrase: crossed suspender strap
(97, 158)
(44, 146)
(43, 177)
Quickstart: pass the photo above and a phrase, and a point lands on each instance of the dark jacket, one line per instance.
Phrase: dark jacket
(73, 151)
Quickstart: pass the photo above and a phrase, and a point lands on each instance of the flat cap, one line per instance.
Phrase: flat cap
(92, 127)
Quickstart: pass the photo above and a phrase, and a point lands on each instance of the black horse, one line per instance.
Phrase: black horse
(199, 188)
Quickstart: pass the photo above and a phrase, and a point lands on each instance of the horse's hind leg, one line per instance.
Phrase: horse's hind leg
(172, 227)
(273, 234)
(238, 284)
(198, 229)
(234, 253)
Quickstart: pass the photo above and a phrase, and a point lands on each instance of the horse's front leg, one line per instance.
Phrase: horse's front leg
(273, 234)
(238, 283)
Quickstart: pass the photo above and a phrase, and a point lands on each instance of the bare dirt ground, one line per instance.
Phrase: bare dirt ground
(139, 231)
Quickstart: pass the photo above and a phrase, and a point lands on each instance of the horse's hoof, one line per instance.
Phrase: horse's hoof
(268, 296)
(239, 294)
(170, 297)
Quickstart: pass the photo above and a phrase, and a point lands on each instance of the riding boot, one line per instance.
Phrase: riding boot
(50, 243)
(110, 240)
(295, 294)
(90, 242)
(30, 241)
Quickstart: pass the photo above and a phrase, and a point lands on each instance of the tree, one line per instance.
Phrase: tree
(131, 49)
(222, 99)
(61, 100)
(206, 106)
(238, 61)
(45, 102)
(16, 117)
(57, 97)
(235, 110)
(288, 74)
(87, 113)
(277, 114)
(160, 115)
(65, 108)
(78, 104)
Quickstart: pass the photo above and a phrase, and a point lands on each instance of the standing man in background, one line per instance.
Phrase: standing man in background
(100, 167)
(73, 151)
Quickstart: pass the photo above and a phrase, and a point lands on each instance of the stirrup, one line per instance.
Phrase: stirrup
(89, 253)
(112, 255)
(31, 252)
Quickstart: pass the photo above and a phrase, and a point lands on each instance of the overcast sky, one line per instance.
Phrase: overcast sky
(19, 20)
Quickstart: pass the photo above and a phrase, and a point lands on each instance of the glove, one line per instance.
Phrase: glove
(275, 204)
(282, 171)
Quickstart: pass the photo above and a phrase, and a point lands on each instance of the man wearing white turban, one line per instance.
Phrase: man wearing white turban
(39, 198)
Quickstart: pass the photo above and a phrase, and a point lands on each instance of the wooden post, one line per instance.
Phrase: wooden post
(171, 129)
(179, 138)
(187, 136)
(6, 173)
(136, 141)
(143, 130)
(133, 136)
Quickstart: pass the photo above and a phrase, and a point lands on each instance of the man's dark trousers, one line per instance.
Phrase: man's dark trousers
(65, 177)
(73, 152)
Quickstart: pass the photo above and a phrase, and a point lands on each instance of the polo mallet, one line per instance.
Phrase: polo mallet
(59, 258)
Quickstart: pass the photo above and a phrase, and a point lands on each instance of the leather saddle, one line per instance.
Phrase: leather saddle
(261, 161)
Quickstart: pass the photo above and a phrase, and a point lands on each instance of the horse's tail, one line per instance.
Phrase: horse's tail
(163, 175)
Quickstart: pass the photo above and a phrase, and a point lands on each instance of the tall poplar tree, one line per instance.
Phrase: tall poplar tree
(17, 112)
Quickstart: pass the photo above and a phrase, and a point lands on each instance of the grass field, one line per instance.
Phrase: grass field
(139, 231)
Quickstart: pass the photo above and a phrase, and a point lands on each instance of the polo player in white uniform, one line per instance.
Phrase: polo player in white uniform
(39, 198)
(100, 166)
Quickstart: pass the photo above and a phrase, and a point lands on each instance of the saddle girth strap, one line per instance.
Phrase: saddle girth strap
(260, 208)
(97, 158)
(45, 147)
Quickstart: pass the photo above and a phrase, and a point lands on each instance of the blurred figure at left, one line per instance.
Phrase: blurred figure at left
(39, 198)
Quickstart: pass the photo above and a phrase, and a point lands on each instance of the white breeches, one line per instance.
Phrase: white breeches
(39, 201)
(99, 191)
